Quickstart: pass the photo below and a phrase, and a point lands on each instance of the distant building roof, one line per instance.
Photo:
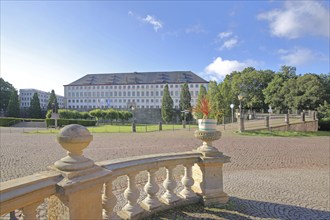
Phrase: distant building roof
(138, 78)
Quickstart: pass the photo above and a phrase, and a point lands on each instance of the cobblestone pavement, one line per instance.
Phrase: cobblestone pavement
(268, 177)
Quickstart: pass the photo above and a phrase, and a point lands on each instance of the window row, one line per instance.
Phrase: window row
(131, 86)
(126, 94)
(115, 106)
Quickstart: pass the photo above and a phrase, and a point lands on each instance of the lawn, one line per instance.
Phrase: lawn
(286, 133)
(140, 128)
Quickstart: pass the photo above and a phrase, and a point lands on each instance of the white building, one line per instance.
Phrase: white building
(26, 95)
(121, 90)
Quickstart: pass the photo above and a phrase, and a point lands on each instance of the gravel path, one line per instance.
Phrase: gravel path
(268, 177)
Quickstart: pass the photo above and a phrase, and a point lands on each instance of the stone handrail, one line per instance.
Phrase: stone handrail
(82, 189)
(28, 192)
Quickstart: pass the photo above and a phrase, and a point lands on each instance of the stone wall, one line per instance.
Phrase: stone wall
(299, 126)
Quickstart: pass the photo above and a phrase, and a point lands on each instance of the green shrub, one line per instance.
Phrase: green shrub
(62, 122)
(324, 124)
(6, 122)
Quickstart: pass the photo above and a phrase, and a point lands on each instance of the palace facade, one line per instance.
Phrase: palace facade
(124, 90)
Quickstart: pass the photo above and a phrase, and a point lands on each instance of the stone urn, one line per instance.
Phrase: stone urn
(208, 133)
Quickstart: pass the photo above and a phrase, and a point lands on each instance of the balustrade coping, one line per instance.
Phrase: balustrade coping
(159, 159)
(27, 190)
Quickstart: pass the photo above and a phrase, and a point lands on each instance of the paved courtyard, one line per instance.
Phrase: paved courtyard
(268, 177)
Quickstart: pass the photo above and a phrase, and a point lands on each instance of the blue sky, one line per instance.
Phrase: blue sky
(48, 44)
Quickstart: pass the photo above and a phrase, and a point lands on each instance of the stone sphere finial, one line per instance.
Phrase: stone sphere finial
(74, 138)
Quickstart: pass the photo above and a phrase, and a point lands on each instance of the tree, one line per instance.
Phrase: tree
(13, 105)
(35, 110)
(6, 90)
(185, 102)
(213, 95)
(304, 92)
(201, 94)
(227, 97)
(52, 102)
(167, 106)
(275, 93)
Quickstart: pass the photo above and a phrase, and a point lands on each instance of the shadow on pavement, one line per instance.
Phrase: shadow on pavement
(242, 209)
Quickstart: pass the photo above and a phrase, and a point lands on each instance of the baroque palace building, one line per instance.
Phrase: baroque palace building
(124, 90)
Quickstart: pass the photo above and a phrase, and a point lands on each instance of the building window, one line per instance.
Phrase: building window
(161, 86)
(176, 86)
(171, 86)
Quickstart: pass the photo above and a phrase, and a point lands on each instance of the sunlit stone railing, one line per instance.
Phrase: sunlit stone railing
(78, 188)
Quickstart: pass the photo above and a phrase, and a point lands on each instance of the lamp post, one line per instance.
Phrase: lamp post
(232, 112)
(241, 118)
(133, 123)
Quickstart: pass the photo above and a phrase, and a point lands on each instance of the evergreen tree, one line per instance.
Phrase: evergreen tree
(35, 110)
(52, 102)
(13, 105)
(6, 90)
(185, 99)
(167, 105)
(213, 95)
(201, 94)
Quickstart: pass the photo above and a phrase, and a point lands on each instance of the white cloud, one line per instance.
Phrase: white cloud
(197, 29)
(299, 18)
(224, 34)
(297, 56)
(219, 68)
(229, 43)
(227, 40)
(157, 24)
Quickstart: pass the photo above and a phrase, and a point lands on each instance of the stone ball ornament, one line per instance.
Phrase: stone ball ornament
(74, 138)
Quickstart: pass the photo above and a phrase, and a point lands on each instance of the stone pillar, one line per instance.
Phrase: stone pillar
(207, 174)
(314, 115)
(241, 123)
(133, 126)
(267, 122)
(160, 126)
(302, 116)
(287, 119)
(79, 193)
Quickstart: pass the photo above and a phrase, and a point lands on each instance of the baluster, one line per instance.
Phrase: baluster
(132, 193)
(30, 211)
(109, 201)
(151, 188)
(169, 184)
(187, 182)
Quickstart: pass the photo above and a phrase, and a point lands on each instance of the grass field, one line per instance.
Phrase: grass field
(286, 133)
(140, 128)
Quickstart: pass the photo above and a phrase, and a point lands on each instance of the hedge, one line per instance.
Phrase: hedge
(324, 124)
(6, 122)
(62, 122)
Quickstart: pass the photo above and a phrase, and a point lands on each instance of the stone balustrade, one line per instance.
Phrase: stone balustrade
(77, 188)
